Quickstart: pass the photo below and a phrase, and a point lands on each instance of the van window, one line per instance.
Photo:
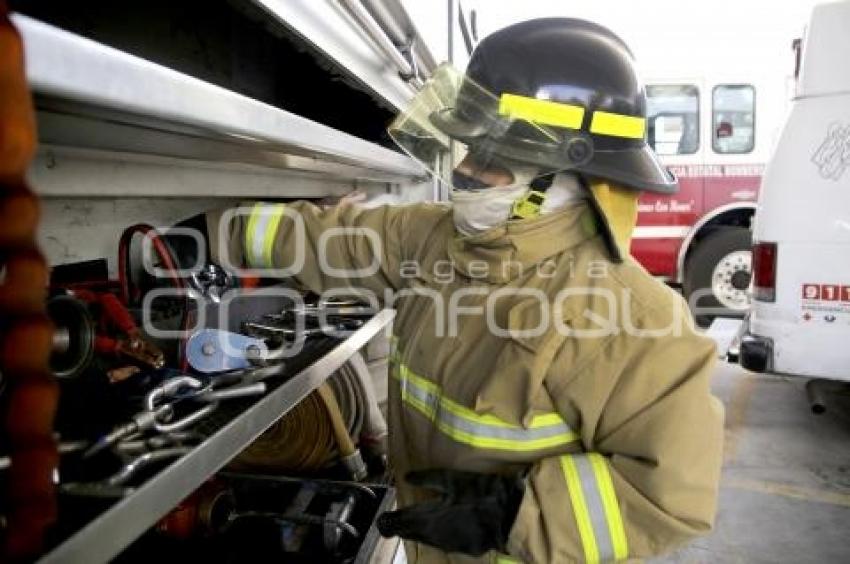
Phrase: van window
(673, 118)
(733, 110)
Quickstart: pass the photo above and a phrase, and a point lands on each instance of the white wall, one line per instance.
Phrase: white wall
(431, 20)
(679, 36)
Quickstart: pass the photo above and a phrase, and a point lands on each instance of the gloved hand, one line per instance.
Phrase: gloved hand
(211, 280)
(472, 514)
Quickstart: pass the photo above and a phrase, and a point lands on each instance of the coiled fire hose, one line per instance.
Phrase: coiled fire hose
(322, 428)
(31, 394)
(373, 429)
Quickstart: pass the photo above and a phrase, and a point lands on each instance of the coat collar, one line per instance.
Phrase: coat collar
(511, 249)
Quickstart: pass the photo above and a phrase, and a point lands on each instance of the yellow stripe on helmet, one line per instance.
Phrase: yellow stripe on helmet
(617, 125)
(547, 112)
(541, 112)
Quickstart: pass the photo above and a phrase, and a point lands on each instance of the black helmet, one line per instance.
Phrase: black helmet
(564, 79)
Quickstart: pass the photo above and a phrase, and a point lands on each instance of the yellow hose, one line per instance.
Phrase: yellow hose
(343, 439)
(307, 438)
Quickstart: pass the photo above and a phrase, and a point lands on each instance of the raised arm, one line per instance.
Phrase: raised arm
(346, 246)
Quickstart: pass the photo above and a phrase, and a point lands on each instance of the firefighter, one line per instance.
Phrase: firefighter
(549, 400)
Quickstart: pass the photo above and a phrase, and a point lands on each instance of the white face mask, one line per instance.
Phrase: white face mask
(476, 211)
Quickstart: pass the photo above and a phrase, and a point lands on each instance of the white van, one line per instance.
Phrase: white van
(799, 323)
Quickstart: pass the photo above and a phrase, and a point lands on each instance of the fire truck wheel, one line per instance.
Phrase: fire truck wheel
(717, 275)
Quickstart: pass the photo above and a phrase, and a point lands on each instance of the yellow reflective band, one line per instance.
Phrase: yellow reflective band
(617, 125)
(250, 232)
(260, 234)
(271, 233)
(481, 431)
(543, 112)
(545, 420)
(595, 507)
(504, 559)
(582, 515)
(612, 508)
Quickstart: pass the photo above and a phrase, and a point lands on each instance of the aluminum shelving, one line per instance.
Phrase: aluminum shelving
(329, 27)
(113, 530)
(119, 102)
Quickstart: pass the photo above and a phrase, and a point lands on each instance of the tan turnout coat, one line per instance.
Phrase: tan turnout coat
(524, 347)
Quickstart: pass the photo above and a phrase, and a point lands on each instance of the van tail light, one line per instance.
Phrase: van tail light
(764, 272)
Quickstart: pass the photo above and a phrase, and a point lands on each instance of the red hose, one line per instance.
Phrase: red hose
(164, 253)
(162, 250)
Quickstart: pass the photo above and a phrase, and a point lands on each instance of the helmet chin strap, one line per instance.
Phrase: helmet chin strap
(549, 192)
(530, 196)
(531, 204)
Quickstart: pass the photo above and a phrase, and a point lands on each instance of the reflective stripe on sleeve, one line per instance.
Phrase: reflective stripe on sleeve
(260, 234)
(480, 431)
(595, 507)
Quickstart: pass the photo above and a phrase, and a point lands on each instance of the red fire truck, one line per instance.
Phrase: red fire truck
(715, 136)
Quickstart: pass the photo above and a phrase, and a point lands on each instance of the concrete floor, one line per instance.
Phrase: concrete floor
(785, 491)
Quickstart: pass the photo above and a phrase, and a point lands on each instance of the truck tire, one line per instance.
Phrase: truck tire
(718, 273)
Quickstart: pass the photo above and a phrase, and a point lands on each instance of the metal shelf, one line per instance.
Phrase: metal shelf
(113, 530)
(330, 29)
(118, 102)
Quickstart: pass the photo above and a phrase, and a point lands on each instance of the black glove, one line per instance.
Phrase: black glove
(472, 514)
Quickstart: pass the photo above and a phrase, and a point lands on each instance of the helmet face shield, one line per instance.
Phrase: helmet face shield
(493, 135)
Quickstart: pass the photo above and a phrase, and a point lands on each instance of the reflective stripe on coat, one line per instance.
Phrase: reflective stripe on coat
(593, 381)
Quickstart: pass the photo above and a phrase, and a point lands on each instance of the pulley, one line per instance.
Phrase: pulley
(73, 336)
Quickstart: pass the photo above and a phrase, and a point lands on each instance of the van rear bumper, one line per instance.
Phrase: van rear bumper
(756, 353)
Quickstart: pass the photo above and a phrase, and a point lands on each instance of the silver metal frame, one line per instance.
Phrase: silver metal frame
(382, 40)
(63, 171)
(108, 534)
(397, 23)
(332, 30)
(73, 75)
